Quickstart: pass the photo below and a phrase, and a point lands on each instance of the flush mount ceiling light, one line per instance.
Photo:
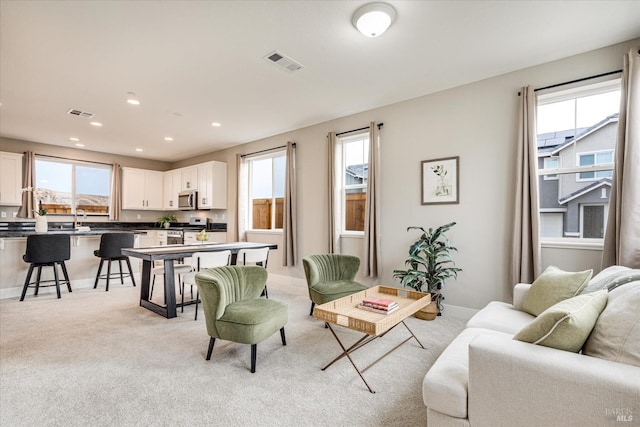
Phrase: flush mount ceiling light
(373, 19)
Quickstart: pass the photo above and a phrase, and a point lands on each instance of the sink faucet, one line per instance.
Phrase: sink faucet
(77, 223)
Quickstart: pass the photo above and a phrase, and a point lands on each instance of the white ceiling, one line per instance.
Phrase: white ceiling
(195, 62)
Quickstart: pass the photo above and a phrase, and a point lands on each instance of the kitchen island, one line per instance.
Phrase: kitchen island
(169, 254)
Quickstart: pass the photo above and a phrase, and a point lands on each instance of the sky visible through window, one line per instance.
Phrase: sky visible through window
(590, 110)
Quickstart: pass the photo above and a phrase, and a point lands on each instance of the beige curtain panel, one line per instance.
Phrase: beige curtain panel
(289, 232)
(116, 193)
(28, 180)
(243, 198)
(333, 203)
(525, 261)
(622, 236)
(372, 213)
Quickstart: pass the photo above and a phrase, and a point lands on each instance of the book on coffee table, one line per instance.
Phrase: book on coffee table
(381, 310)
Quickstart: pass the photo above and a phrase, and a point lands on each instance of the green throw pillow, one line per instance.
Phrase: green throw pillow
(553, 286)
(566, 325)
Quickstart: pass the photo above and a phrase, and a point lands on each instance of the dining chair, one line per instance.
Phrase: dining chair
(233, 309)
(111, 245)
(331, 276)
(201, 261)
(178, 269)
(47, 250)
(254, 256)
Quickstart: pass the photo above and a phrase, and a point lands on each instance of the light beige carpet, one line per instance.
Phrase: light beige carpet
(96, 358)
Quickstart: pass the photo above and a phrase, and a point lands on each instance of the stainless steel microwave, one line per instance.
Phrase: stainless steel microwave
(188, 200)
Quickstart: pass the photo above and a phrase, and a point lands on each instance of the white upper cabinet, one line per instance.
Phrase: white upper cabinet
(172, 186)
(212, 185)
(142, 189)
(10, 179)
(189, 178)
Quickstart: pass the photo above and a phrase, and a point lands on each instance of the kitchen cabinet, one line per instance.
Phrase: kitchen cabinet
(10, 179)
(212, 185)
(172, 186)
(142, 189)
(189, 178)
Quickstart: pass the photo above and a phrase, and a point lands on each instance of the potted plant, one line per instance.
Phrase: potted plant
(430, 265)
(165, 221)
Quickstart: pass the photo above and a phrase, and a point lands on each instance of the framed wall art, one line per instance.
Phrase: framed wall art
(441, 181)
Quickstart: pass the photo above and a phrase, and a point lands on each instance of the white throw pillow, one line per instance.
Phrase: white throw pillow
(616, 335)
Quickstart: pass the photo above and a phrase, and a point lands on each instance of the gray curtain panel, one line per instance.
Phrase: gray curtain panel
(525, 257)
(372, 214)
(28, 180)
(622, 236)
(289, 232)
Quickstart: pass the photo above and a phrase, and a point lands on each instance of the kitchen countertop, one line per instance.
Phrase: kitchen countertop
(26, 228)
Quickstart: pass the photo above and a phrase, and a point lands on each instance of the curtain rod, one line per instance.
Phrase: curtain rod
(266, 150)
(356, 130)
(577, 80)
(73, 160)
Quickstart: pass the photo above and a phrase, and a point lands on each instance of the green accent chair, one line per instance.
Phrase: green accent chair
(330, 277)
(233, 309)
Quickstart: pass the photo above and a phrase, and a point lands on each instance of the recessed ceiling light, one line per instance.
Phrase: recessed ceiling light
(132, 99)
(97, 124)
(139, 149)
(168, 138)
(216, 124)
(79, 145)
(74, 139)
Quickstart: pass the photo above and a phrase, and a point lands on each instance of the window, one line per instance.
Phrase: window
(577, 130)
(67, 186)
(355, 164)
(551, 163)
(591, 159)
(266, 191)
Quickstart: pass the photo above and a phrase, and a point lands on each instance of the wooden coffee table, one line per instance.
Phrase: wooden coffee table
(345, 312)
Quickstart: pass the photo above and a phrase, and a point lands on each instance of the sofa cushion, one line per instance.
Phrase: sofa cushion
(500, 316)
(567, 324)
(612, 277)
(616, 335)
(552, 286)
(444, 388)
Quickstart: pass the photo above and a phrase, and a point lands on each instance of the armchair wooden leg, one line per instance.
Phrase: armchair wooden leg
(212, 341)
(313, 304)
(284, 340)
(254, 350)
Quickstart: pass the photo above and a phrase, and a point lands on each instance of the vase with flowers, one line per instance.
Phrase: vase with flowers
(39, 214)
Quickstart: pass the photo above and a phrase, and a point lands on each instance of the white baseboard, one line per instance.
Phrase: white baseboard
(458, 312)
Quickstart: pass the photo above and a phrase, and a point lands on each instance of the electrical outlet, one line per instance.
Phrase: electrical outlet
(3, 214)
(138, 216)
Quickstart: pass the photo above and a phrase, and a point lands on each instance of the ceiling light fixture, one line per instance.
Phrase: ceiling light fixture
(373, 19)
(79, 145)
(216, 124)
(168, 138)
(96, 124)
(139, 150)
(132, 99)
(74, 139)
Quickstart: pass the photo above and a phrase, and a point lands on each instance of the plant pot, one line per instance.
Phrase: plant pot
(166, 225)
(429, 312)
(42, 225)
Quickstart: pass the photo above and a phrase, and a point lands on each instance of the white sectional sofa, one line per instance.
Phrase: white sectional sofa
(486, 378)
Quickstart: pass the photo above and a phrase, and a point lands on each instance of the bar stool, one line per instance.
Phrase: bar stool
(111, 245)
(254, 256)
(47, 250)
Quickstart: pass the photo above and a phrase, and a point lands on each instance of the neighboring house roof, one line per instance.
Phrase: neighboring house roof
(584, 190)
(551, 140)
(584, 132)
(358, 171)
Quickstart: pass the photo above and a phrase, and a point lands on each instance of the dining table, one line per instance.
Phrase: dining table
(169, 254)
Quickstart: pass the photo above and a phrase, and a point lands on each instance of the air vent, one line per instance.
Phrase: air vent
(80, 113)
(283, 61)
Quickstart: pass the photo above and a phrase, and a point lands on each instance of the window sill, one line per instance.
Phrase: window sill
(278, 231)
(581, 244)
(352, 235)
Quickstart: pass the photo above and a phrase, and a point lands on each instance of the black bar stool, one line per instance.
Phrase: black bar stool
(47, 250)
(111, 245)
